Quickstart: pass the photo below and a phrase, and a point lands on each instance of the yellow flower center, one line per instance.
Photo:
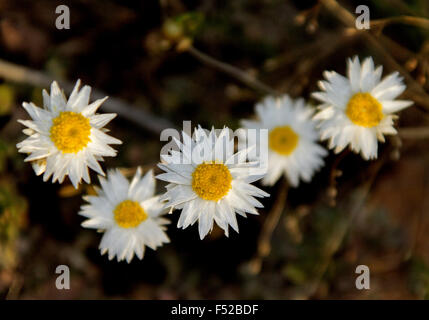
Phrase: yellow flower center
(129, 214)
(211, 181)
(70, 132)
(364, 110)
(283, 140)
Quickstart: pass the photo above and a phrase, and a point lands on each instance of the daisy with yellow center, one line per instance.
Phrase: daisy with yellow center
(212, 184)
(359, 110)
(283, 140)
(292, 139)
(211, 181)
(65, 137)
(129, 215)
(70, 132)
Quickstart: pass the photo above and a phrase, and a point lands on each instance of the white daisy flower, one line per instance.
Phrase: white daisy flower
(128, 213)
(39, 166)
(358, 110)
(67, 136)
(209, 182)
(292, 139)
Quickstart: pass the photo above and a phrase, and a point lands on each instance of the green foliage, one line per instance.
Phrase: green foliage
(317, 246)
(12, 219)
(7, 98)
(419, 278)
(13, 209)
(191, 22)
(184, 25)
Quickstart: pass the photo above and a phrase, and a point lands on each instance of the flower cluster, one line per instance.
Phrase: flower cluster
(214, 184)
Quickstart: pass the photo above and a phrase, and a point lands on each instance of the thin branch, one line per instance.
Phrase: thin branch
(418, 222)
(234, 72)
(307, 50)
(336, 173)
(270, 224)
(334, 243)
(348, 20)
(404, 8)
(410, 20)
(299, 80)
(414, 133)
(16, 73)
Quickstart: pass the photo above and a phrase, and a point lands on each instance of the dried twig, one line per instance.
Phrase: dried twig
(334, 243)
(348, 20)
(414, 133)
(292, 55)
(335, 173)
(410, 20)
(299, 80)
(403, 7)
(235, 72)
(16, 73)
(271, 222)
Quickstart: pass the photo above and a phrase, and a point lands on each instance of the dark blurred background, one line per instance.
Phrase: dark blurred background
(146, 53)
